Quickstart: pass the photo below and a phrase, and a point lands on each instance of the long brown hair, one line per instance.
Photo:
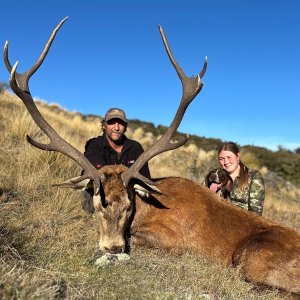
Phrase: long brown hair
(233, 147)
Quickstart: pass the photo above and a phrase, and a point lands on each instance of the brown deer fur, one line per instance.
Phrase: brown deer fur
(189, 217)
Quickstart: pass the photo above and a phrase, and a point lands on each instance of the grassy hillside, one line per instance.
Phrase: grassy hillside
(47, 241)
(284, 162)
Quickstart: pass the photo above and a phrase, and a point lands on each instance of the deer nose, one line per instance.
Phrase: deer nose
(114, 249)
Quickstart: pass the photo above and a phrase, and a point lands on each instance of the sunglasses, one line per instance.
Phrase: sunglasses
(114, 121)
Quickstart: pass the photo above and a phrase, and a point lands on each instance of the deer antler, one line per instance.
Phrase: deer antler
(191, 86)
(19, 84)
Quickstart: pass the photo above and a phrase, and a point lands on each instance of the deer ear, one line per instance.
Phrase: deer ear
(146, 190)
(73, 184)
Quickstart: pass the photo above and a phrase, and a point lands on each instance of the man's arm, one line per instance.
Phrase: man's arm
(145, 169)
(93, 153)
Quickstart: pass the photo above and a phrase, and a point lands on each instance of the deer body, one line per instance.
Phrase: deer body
(194, 219)
(189, 217)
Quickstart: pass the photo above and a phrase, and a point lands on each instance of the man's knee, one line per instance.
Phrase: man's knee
(87, 200)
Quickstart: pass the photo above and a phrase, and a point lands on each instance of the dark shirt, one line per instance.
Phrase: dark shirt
(100, 153)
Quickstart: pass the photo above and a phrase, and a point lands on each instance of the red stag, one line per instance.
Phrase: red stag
(172, 213)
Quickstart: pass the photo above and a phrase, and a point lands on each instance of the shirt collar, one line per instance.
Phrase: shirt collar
(107, 145)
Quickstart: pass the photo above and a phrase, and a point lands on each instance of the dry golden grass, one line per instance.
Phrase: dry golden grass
(47, 241)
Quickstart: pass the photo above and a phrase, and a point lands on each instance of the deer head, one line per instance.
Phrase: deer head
(114, 186)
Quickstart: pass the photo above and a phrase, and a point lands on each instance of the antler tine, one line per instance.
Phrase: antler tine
(22, 79)
(20, 87)
(191, 86)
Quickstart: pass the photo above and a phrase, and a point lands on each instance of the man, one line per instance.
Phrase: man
(112, 148)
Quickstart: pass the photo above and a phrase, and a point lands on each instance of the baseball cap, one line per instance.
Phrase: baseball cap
(115, 113)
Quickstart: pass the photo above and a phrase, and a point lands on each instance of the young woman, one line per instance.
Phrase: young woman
(247, 188)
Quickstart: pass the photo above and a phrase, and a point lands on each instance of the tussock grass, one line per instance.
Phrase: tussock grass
(187, 161)
(47, 242)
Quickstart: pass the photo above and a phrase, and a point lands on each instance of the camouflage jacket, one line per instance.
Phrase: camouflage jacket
(252, 196)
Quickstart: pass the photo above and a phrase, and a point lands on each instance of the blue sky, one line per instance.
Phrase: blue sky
(109, 53)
